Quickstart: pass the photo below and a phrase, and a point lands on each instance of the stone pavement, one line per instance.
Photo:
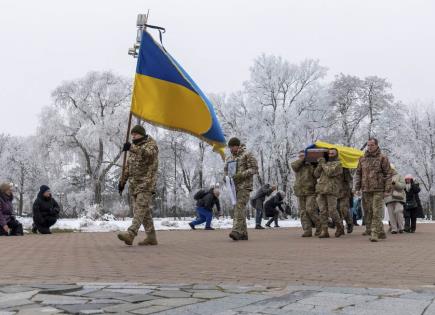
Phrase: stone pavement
(270, 257)
(199, 299)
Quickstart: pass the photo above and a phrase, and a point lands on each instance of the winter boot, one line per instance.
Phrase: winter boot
(259, 227)
(192, 226)
(126, 237)
(324, 233)
(209, 228)
(318, 230)
(340, 229)
(244, 237)
(349, 228)
(235, 236)
(307, 233)
(34, 229)
(151, 239)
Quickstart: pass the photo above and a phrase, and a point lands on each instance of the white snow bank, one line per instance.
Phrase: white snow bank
(89, 225)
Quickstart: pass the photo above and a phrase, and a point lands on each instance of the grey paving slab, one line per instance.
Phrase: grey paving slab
(51, 299)
(58, 288)
(205, 287)
(39, 311)
(215, 306)
(15, 289)
(18, 296)
(129, 290)
(209, 294)
(150, 310)
(14, 303)
(172, 294)
(137, 298)
(82, 292)
(78, 308)
(100, 294)
(430, 310)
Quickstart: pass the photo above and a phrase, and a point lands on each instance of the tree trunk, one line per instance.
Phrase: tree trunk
(97, 192)
(432, 206)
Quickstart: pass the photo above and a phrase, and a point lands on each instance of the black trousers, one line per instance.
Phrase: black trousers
(273, 219)
(43, 226)
(411, 220)
(15, 228)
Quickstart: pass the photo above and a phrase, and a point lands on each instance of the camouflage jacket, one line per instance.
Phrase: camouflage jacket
(245, 170)
(328, 174)
(305, 183)
(345, 184)
(142, 165)
(373, 173)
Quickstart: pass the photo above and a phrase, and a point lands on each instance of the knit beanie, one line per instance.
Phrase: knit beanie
(234, 142)
(43, 189)
(139, 130)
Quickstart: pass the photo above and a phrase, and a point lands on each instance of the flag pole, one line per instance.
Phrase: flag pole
(141, 25)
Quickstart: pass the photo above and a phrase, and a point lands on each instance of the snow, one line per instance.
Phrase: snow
(88, 225)
(161, 224)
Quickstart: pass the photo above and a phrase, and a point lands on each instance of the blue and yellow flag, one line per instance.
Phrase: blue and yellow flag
(165, 95)
(348, 156)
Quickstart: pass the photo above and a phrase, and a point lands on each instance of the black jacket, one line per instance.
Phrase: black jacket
(271, 204)
(45, 207)
(208, 201)
(260, 195)
(413, 202)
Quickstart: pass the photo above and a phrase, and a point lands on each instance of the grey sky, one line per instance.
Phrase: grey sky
(45, 42)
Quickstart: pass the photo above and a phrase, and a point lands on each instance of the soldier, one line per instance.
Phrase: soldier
(241, 166)
(141, 173)
(305, 190)
(327, 189)
(373, 178)
(344, 199)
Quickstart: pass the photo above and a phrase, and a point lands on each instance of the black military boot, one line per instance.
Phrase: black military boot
(349, 228)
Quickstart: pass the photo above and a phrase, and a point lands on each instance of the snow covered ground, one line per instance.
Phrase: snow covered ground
(88, 225)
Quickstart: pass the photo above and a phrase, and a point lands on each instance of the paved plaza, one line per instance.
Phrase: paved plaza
(204, 272)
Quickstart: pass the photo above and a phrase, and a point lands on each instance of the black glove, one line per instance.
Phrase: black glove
(121, 186)
(126, 147)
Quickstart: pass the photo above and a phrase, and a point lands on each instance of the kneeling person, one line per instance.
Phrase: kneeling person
(9, 226)
(204, 207)
(270, 206)
(45, 211)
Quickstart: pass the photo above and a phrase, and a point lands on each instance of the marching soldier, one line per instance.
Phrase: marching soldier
(373, 179)
(327, 189)
(305, 190)
(241, 166)
(344, 195)
(141, 173)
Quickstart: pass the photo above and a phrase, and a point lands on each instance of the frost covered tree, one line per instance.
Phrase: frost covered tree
(88, 119)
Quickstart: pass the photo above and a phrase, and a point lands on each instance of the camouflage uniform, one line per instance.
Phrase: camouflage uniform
(141, 173)
(305, 190)
(327, 189)
(243, 180)
(373, 178)
(344, 197)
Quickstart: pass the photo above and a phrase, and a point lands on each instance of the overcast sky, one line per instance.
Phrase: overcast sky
(45, 42)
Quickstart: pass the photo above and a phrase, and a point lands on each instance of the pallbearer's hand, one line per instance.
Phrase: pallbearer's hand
(126, 147)
(121, 186)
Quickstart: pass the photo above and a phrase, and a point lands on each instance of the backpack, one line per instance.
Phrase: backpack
(200, 194)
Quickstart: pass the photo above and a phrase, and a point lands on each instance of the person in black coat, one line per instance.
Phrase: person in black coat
(257, 202)
(205, 200)
(45, 211)
(270, 208)
(413, 208)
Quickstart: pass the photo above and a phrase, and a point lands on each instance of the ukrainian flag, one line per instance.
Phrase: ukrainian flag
(165, 95)
(348, 156)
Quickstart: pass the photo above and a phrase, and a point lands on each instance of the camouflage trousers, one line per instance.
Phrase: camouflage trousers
(328, 209)
(308, 211)
(239, 221)
(343, 210)
(143, 214)
(373, 206)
